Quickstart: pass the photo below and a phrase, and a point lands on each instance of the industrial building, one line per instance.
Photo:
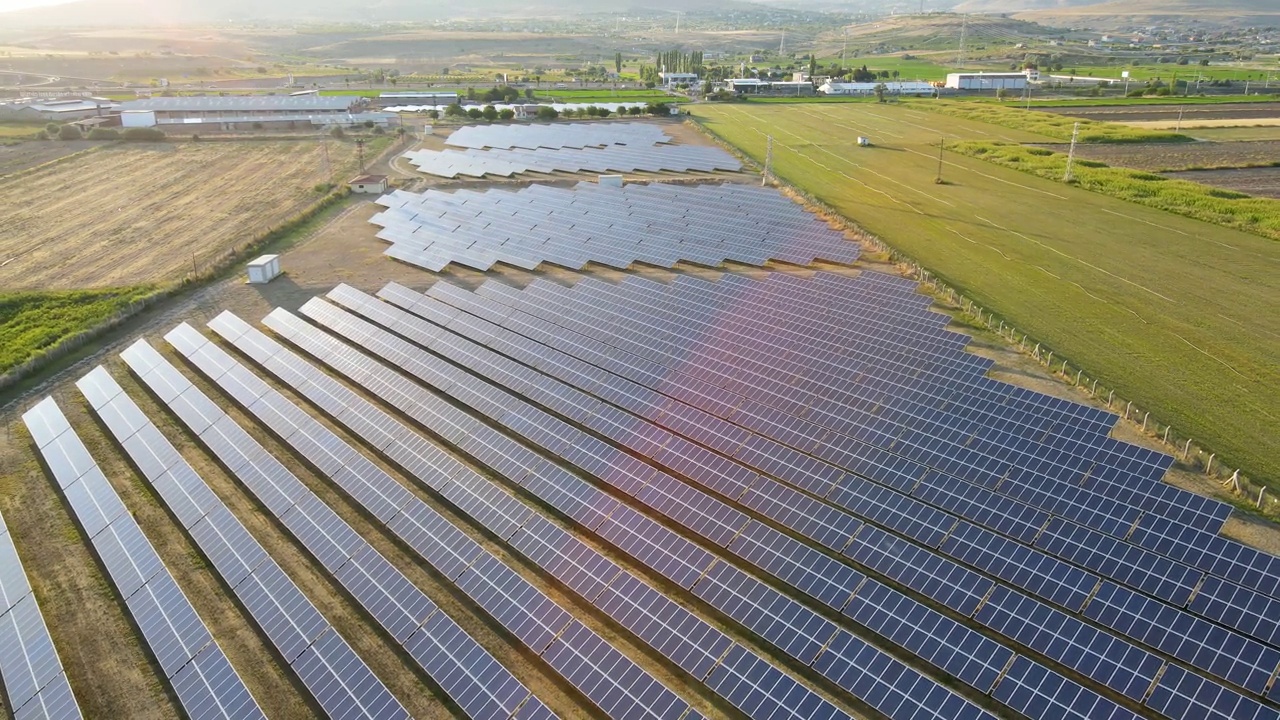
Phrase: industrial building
(754, 86)
(909, 87)
(248, 111)
(417, 97)
(59, 110)
(988, 81)
(671, 79)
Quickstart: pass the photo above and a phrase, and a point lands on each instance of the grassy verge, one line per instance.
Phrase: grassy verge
(1219, 206)
(1167, 100)
(38, 326)
(1047, 124)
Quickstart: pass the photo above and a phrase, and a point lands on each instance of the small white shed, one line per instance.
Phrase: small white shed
(610, 180)
(263, 269)
(369, 184)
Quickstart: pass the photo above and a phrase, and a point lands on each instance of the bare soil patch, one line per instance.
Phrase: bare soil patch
(1263, 182)
(26, 155)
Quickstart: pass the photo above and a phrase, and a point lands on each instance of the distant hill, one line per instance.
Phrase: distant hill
(198, 12)
(1072, 12)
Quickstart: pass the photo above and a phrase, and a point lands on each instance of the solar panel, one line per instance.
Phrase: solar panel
(612, 226)
(173, 632)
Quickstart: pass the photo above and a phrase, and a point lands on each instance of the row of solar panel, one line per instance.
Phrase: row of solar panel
(817, 362)
(804, 433)
(647, 541)
(192, 662)
(1143, 570)
(35, 685)
(470, 675)
(644, 495)
(339, 680)
(440, 229)
(572, 135)
(523, 609)
(1009, 517)
(767, 420)
(472, 363)
(616, 158)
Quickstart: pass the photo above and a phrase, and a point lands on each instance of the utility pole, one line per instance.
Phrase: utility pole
(964, 30)
(1179, 127)
(1028, 94)
(1071, 154)
(360, 152)
(942, 141)
(782, 44)
(768, 161)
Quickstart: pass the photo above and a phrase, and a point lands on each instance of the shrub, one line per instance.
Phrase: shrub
(52, 129)
(142, 135)
(489, 113)
(433, 114)
(546, 112)
(475, 113)
(379, 130)
(454, 110)
(69, 132)
(506, 114)
(104, 134)
(338, 132)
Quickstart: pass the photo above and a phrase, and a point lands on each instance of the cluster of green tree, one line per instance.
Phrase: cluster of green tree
(547, 112)
(501, 93)
(672, 61)
(862, 74)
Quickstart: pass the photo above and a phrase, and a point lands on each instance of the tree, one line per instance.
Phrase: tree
(1204, 62)
(69, 132)
(489, 113)
(617, 63)
(813, 69)
(880, 89)
(433, 114)
(338, 132)
(475, 113)
(635, 110)
(506, 113)
(52, 129)
(546, 112)
(454, 110)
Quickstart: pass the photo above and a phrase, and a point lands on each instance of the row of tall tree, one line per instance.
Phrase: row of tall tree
(675, 61)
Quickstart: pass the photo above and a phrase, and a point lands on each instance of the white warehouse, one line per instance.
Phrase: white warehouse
(908, 87)
(987, 81)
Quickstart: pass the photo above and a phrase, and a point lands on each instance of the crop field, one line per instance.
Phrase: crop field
(1166, 157)
(1171, 112)
(1059, 127)
(1180, 315)
(1261, 181)
(126, 215)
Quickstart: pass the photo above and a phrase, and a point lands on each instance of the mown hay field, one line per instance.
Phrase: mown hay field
(136, 214)
(1180, 315)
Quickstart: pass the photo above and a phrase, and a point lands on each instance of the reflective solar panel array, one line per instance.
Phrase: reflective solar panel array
(658, 224)
(35, 685)
(961, 542)
(569, 135)
(669, 628)
(341, 683)
(480, 685)
(203, 680)
(613, 158)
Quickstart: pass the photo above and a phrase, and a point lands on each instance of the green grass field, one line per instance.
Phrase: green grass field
(36, 323)
(1177, 314)
(1166, 72)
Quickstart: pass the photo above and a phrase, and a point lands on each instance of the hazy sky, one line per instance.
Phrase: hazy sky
(21, 4)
